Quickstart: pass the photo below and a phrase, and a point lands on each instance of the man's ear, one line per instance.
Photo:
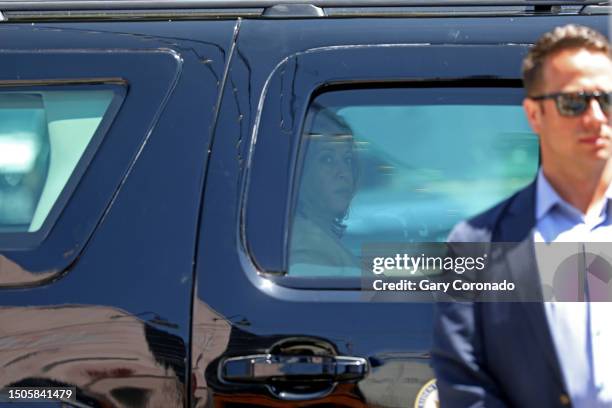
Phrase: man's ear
(533, 111)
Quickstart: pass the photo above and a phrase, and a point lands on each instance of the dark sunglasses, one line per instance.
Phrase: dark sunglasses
(576, 103)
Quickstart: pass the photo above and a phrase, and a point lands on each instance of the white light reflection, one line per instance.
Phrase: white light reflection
(17, 153)
(266, 284)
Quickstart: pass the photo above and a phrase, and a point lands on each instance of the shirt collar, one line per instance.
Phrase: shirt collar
(547, 198)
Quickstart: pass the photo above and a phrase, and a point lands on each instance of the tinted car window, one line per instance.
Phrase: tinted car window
(402, 165)
(43, 135)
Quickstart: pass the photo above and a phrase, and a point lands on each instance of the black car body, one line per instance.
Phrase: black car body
(159, 276)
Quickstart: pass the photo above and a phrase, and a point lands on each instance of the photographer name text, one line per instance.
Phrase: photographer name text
(427, 285)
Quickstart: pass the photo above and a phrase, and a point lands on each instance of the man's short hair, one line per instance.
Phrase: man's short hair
(571, 36)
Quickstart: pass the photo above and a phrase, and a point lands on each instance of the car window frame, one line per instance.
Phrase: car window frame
(324, 72)
(93, 195)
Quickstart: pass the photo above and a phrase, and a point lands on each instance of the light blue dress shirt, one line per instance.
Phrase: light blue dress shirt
(581, 331)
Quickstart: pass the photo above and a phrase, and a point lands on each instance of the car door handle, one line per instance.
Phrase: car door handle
(265, 368)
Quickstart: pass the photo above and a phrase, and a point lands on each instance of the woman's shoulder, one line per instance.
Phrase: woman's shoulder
(311, 244)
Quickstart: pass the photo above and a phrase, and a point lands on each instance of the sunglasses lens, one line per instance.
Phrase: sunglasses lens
(604, 101)
(572, 104)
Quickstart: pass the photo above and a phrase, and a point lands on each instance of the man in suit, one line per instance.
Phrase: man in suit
(542, 354)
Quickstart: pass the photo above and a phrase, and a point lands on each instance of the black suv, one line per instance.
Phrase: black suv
(188, 189)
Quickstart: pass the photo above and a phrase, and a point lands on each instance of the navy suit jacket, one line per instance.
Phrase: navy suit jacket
(499, 354)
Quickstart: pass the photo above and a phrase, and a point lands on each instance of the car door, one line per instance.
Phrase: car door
(108, 125)
(434, 107)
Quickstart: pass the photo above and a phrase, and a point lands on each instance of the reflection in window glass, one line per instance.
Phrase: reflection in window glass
(402, 165)
(42, 137)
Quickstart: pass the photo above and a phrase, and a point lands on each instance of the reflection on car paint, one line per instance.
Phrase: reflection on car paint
(113, 359)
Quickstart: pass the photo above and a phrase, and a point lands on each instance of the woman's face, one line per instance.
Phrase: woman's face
(328, 179)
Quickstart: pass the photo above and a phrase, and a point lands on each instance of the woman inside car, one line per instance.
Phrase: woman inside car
(328, 183)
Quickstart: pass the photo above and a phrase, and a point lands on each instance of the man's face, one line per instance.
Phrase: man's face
(582, 142)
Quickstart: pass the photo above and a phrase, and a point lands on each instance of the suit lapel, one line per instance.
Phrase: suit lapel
(515, 227)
